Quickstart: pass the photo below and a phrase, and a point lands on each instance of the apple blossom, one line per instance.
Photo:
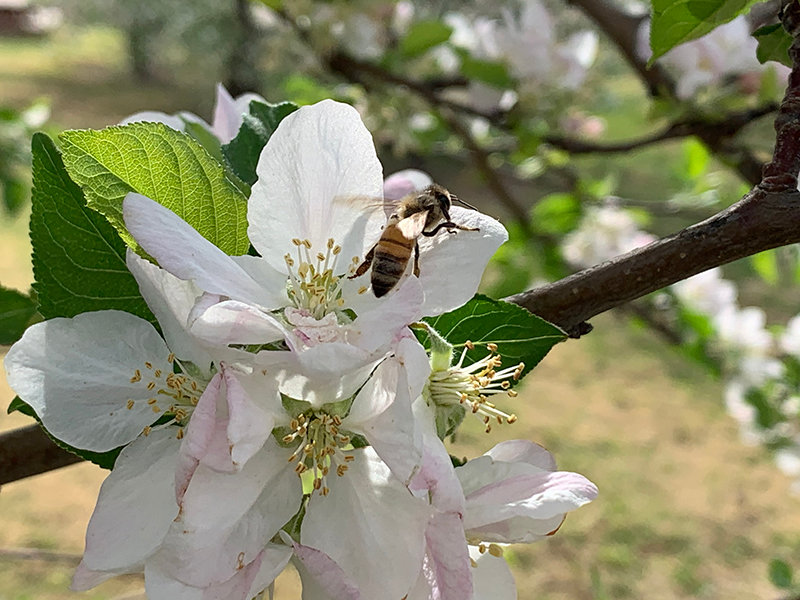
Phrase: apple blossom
(308, 212)
(511, 494)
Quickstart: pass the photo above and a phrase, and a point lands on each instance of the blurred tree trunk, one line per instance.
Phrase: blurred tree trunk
(242, 70)
(141, 30)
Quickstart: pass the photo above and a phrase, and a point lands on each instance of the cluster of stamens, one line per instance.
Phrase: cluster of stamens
(312, 283)
(174, 394)
(320, 448)
(473, 386)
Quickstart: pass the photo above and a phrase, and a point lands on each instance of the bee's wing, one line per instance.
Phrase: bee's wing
(411, 227)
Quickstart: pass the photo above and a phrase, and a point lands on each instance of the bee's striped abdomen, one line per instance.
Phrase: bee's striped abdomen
(391, 258)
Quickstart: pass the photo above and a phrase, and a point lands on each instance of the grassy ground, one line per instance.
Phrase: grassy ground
(685, 510)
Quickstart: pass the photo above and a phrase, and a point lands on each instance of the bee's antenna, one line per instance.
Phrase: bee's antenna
(454, 198)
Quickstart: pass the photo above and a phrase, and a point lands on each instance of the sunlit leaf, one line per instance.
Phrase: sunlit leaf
(674, 23)
(163, 164)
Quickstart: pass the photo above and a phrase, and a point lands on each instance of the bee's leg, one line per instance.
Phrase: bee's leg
(416, 260)
(449, 225)
(362, 268)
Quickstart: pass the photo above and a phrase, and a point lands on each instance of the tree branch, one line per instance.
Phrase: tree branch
(28, 451)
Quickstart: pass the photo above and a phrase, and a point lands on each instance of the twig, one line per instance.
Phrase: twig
(727, 126)
(481, 160)
(42, 555)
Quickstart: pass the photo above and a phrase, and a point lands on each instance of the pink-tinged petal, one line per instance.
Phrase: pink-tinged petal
(448, 557)
(134, 509)
(226, 429)
(228, 113)
(524, 508)
(451, 265)
(171, 300)
(491, 577)
(234, 322)
(321, 169)
(322, 578)
(523, 451)
(79, 375)
(436, 479)
(381, 412)
(160, 585)
(202, 430)
(185, 253)
(226, 518)
(402, 183)
(361, 524)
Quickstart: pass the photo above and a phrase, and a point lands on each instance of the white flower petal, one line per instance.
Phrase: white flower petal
(374, 329)
(324, 373)
(451, 265)
(274, 559)
(366, 517)
(134, 509)
(227, 518)
(234, 322)
(76, 374)
(523, 451)
(185, 253)
(381, 412)
(318, 178)
(171, 300)
(491, 578)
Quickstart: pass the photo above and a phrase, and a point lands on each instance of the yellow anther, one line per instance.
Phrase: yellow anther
(130, 404)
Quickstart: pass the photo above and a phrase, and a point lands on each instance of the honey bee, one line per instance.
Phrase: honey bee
(425, 212)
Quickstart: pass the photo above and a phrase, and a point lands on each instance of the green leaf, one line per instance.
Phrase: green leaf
(766, 265)
(424, 35)
(780, 574)
(773, 44)
(696, 159)
(19, 405)
(257, 127)
(163, 164)
(556, 214)
(493, 73)
(520, 336)
(78, 258)
(675, 22)
(16, 312)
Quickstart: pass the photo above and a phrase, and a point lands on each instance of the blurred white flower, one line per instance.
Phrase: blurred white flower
(706, 292)
(790, 340)
(604, 232)
(728, 50)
